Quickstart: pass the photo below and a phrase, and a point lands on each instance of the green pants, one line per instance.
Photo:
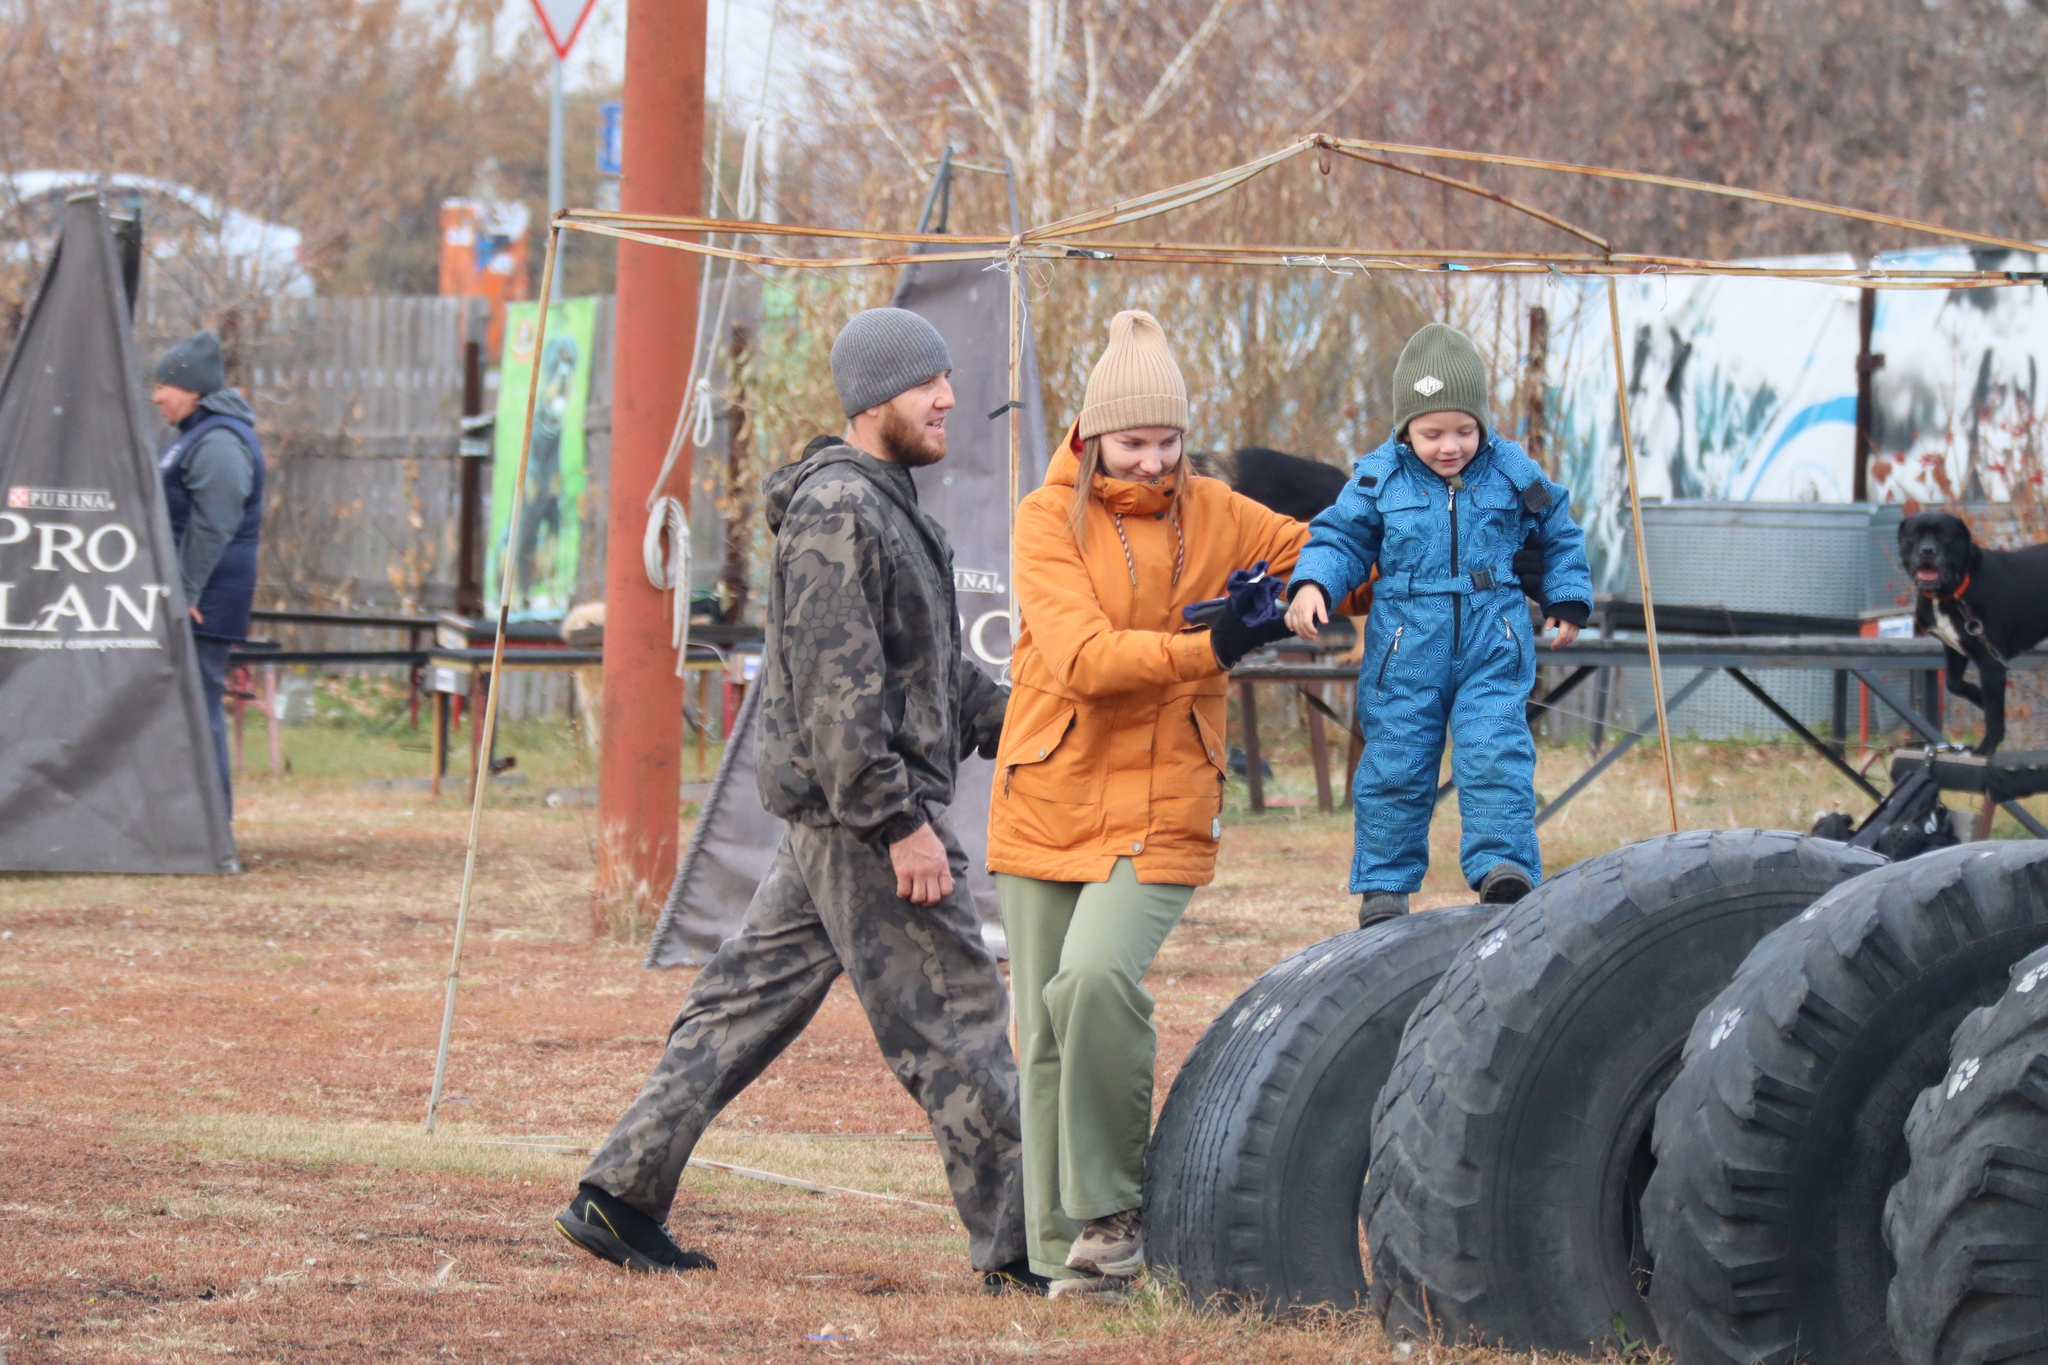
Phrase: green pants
(1085, 1045)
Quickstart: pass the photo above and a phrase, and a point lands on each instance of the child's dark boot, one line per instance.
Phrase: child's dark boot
(1504, 885)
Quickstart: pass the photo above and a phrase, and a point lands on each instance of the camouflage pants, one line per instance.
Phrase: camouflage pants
(932, 994)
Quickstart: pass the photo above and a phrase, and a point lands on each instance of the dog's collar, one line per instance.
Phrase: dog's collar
(1955, 596)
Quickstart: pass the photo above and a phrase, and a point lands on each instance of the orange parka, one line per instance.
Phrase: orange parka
(1113, 743)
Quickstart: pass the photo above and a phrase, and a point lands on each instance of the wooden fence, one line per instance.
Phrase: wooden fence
(359, 401)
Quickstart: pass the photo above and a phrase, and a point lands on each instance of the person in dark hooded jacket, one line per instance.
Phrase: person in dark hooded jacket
(868, 706)
(212, 469)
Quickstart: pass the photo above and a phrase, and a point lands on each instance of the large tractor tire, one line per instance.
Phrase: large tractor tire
(1512, 1141)
(1968, 1226)
(1253, 1177)
(1785, 1128)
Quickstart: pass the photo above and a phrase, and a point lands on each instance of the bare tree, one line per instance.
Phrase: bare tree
(1893, 104)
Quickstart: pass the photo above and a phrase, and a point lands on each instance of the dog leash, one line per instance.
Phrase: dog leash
(1971, 625)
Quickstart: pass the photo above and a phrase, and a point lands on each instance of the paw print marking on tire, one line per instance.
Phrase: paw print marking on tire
(1724, 1028)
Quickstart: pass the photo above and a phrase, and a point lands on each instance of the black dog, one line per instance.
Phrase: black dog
(1985, 605)
(1288, 484)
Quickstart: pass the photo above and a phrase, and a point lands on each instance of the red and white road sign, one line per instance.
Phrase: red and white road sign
(563, 20)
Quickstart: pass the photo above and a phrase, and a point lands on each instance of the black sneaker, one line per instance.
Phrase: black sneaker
(1015, 1278)
(1375, 907)
(612, 1230)
(1504, 885)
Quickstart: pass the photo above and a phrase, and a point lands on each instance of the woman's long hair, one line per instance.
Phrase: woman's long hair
(1084, 489)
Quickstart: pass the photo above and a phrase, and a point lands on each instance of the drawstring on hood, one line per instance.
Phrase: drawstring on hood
(1126, 498)
(1180, 539)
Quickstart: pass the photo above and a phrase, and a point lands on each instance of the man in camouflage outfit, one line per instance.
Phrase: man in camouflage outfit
(868, 707)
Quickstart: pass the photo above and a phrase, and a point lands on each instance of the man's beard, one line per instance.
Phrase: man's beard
(907, 443)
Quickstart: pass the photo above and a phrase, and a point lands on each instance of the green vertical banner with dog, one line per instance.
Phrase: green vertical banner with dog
(547, 541)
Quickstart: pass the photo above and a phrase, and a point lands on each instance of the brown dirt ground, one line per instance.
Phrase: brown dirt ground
(210, 1120)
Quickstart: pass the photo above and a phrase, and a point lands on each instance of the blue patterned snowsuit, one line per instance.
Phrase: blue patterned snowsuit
(1447, 648)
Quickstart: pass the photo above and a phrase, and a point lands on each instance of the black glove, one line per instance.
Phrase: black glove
(1232, 639)
(1528, 567)
(1252, 595)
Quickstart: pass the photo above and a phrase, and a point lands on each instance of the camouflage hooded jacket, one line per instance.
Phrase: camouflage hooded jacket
(870, 705)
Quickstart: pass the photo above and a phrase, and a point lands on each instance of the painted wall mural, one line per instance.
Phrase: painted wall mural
(1745, 389)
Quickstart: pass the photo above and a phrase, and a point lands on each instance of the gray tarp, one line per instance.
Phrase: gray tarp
(969, 493)
(106, 764)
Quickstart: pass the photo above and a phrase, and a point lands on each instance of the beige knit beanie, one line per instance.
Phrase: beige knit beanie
(1136, 383)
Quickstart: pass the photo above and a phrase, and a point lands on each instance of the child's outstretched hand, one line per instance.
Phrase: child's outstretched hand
(1307, 611)
(1566, 631)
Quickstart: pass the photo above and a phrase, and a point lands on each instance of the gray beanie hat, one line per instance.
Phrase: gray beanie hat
(882, 353)
(1439, 371)
(194, 365)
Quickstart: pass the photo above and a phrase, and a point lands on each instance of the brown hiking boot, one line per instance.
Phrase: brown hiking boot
(1110, 1246)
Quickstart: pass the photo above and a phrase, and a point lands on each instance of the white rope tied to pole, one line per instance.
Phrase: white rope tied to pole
(748, 200)
(705, 423)
(668, 567)
(746, 203)
(488, 723)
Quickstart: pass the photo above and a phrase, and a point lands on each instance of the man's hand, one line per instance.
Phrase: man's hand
(197, 619)
(923, 876)
(1566, 631)
(1307, 611)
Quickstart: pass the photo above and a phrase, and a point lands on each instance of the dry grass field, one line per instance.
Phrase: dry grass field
(210, 1115)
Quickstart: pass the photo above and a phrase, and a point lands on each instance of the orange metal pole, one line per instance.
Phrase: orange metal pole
(640, 766)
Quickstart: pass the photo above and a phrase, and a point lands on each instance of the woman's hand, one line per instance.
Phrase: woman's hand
(1307, 611)
(1566, 631)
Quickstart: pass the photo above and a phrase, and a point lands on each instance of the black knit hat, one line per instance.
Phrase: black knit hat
(194, 365)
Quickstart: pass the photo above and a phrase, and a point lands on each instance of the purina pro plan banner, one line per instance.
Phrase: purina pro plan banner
(105, 760)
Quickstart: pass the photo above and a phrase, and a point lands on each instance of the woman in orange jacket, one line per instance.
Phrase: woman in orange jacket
(1109, 781)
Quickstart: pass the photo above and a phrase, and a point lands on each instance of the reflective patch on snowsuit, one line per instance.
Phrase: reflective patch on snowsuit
(1448, 649)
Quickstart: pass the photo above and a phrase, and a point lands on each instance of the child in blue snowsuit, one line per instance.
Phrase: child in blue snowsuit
(1441, 509)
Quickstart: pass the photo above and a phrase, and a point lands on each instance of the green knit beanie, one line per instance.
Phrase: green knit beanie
(1439, 371)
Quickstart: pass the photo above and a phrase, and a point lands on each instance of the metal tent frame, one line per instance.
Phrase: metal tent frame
(1079, 237)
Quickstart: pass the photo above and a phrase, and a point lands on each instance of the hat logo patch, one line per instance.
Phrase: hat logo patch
(1429, 384)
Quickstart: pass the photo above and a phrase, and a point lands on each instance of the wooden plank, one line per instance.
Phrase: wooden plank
(1319, 756)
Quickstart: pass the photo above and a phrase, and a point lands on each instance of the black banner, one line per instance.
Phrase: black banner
(106, 762)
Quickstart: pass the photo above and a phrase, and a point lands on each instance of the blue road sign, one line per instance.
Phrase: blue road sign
(611, 120)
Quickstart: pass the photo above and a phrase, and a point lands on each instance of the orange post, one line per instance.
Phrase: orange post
(640, 766)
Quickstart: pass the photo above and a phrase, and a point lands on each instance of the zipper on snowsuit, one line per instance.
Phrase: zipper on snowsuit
(1379, 683)
(1454, 483)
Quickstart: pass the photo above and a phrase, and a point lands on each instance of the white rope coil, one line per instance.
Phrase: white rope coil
(668, 567)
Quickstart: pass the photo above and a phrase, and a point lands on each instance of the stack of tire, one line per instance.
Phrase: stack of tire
(1662, 1100)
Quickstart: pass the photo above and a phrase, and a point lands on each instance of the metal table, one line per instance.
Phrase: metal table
(1848, 657)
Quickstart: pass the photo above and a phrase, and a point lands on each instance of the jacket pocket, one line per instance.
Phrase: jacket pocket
(1028, 763)
(1518, 643)
(1379, 680)
(1188, 764)
(1211, 739)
